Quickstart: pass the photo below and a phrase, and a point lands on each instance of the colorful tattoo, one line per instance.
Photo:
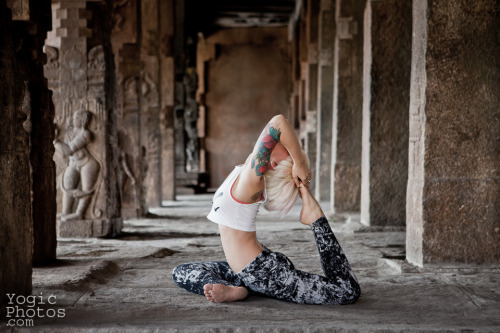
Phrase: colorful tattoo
(267, 141)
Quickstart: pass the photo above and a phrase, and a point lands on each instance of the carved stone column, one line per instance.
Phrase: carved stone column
(167, 83)
(190, 109)
(386, 101)
(124, 39)
(347, 106)
(205, 54)
(150, 101)
(453, 198)
(86, 139)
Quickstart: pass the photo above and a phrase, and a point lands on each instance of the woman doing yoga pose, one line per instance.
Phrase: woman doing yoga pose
(274, 174)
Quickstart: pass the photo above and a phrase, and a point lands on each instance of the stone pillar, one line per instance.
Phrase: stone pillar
(180, 64)
(347, 106)
(167, 83)
(15, 181)
(326, 38)
(124, 39)
(189, 106)
(453, 198)
(150, 101)
(80, 69)
(27, 173)
(387, 60)
(205, 52)
(296, 77)
(298, 49)
(311, 86)
(32, 21)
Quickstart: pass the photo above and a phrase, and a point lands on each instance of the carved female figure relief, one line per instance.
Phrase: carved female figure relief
(81, 174)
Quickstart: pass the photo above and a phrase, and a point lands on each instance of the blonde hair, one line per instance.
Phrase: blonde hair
(282, 193)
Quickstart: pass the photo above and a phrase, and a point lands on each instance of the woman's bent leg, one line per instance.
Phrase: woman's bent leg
(194, 276)
(273, 274)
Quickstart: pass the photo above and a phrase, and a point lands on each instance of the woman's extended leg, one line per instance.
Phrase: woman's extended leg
(274, 275)
(215, 280)
(333, 259)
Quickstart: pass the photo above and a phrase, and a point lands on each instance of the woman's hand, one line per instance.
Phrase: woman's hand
(301, 173)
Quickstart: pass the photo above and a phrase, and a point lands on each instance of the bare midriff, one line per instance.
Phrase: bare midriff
(240, 247)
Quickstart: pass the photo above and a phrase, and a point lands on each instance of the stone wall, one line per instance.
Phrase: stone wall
(248, 82)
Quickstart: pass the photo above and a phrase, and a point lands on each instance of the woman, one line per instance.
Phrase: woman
(273, 175)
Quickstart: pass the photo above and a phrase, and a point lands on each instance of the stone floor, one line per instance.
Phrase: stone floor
(124, 284)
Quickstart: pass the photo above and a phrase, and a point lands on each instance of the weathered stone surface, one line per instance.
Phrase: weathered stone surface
(325, 100)
(26, 174)
(453, 197)
(311, 87)
(347, 106)
(150, 102)
(239, 105)
(125, 284)
(124, 40)
(89, 228)
(167, 80)
(386, 102)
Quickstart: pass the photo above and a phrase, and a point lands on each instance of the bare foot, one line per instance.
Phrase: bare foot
(219, 293)
(311, 210)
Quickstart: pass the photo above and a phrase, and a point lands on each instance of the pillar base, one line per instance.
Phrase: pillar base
(89, 228)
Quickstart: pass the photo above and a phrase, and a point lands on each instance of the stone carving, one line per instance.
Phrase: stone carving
(150, 91)
(81, 175)
(96, 68)
(26, 108)
(51, 69)
(190, 121)
(118, 18)
(75, 86)
(52, 58)
(96, 59)
(128, 180)
(130, 94)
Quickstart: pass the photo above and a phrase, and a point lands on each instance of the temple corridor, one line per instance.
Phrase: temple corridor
(121, 117)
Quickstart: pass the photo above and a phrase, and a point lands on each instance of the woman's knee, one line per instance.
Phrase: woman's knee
(179, 273)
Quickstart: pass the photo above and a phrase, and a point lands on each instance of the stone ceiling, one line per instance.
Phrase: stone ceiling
(209, 15)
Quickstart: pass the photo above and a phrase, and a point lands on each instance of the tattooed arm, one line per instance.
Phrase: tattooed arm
(250, 184)
(279, 130)
(261, 155)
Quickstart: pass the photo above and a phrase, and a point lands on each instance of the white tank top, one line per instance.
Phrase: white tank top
(228, 211)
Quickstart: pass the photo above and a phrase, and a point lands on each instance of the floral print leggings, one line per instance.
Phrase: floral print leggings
(272, 274)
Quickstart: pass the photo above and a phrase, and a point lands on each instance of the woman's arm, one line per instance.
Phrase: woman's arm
(279, 130)
(250, 184)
